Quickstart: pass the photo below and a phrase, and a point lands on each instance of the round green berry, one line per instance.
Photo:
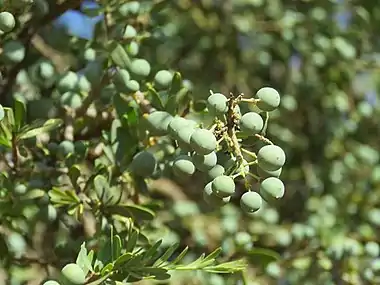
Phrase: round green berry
(140, 68)
(143, 164)
(183, 137)
(13, 52)
(163, 79)
(203, 141)
(120, 79)
(210, 197)
(251, 123)
(205, 162)
(20, 189)
(216, 171)
(158, 122)
(133, 48)
(132, 86)
(177, 124)
(217, 104)
(71, 99)
(271, 157)
(65, 148)
(183, 167)
(51, 282)
(129, 32)
(74, 274)
(272, 189)
(48, 213)
(223, 186)
(68, 82)
(265, 173)
(269, 99)
(251, 202)
(46, 70)
(7, 22)
(243, 239)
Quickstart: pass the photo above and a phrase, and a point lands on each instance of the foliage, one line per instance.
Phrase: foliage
(118, 164)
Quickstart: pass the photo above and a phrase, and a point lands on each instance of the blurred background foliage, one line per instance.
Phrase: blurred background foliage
(322, 56)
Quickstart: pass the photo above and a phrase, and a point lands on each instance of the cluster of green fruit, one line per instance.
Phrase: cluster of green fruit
(13, 51)
(217, 151)
(71, 274)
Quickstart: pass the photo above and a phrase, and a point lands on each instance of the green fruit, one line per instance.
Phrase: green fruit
(84, 84)
(183, 167)
(265, 173)
(89, 54)
(20, 189)
(13, 52)
(46, 70)
(269, 99)
(217, 104)
(242, 238)
(65, 148)
(48, 213)
(183, 137)
(163, 79)
(210, 197)
(71, 99)
(177, 125)
(143, 164)
(251, 123)
(120, 79)
(2, 112)
(271, 158)
(16, 243)
(251, 202)
(203, 141)
(272, 189)
(74, 274)
(130, 8)
(129, 32)
(7, 22)
(132, 86)
(216, 171)
(158, 122)
(205, 162)
(133, 48)
(51, 282)
(223, 186)
(68, 82)
(140, 68)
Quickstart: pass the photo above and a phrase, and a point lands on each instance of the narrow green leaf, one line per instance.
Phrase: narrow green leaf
(155, 99)
(19, 114)
(227, 267)
(213, 254)
(132, 241)
(101, 186)
(167, 254)
(74, 174)
(152, 251)
(116, 247)
(118, 55)
(124, 258)
(134, 211)
(83, 260)
(176, 84)
(41, 127)
(180, 256)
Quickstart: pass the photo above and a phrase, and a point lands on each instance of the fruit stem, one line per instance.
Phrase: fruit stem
(264, 139)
